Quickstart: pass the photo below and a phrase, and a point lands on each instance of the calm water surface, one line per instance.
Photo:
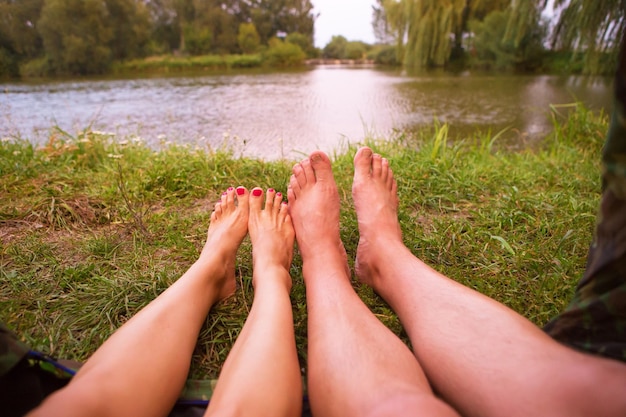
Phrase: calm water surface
(289, 114)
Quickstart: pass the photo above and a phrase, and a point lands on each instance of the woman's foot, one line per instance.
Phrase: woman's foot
(314, 208)
(228, 227)
(271, 232)
(374, 191)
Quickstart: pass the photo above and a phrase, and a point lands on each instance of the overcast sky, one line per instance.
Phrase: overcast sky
(350, 18)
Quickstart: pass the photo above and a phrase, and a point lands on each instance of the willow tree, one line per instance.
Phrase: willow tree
(432, 27)
(592, 28)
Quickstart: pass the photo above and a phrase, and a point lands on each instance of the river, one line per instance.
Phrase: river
(274, 115)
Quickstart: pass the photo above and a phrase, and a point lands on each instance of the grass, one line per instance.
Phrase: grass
(168, 63)
(92, 228)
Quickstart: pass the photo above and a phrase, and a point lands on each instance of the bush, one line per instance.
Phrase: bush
(355, 50)
(8, 64)
(40, 67)
(304, 42)
(384, 55)
(197, 41)
(283, 54)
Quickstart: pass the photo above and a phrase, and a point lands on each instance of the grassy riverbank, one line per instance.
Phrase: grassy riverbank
(92, 229)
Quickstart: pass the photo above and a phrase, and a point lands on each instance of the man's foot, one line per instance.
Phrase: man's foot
(314, 208)
(271, 232)
(374, 191)
(228, 227)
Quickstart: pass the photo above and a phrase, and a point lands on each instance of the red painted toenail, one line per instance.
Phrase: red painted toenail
(230, 188)
(240, 191)
(270, 190)
(279, 194)
(257, 192)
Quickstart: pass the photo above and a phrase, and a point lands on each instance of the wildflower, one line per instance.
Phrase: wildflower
(123, 142)
(16, 153)
(114, 156)
(6, 139)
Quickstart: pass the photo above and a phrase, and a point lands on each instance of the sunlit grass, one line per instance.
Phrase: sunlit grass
(93, 228)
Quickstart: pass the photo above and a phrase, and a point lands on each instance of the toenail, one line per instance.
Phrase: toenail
(230, 188)
(270, 190)
(279, 194)
(240, 191)
(257, 192)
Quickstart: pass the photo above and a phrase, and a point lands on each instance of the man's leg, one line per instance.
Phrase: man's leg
(480, 356)
(357, 367)
(595, 320)
(141, 369)
(261, 376)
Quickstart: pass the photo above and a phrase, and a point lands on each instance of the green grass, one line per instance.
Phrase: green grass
(168, 63)
(92, 228)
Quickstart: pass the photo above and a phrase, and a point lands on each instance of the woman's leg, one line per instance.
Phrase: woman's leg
(261, 376)
(141, 369)
(357, 367)
(481, 357)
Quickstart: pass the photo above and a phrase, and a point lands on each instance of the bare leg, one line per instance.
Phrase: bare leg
(261, 376)
(482, 357)
(141, 369)
(356, 365)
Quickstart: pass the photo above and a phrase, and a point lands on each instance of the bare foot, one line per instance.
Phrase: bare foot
(375, 195)
(314, 208)
(271, 233)
(228, 227)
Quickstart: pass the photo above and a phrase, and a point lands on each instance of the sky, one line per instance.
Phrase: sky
(350, 18)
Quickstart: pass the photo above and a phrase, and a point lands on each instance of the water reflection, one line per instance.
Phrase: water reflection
(290, 114)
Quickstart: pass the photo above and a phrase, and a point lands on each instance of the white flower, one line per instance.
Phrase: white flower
(114, 156)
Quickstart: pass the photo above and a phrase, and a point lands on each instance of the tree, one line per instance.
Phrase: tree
(273, 16)
(76, 35)
(336, 48)
(592, 28)
(130, 24)
(429, 25)
(248, 38)
(304, 42)
(382, 28)
(494, 49)
(18, 29)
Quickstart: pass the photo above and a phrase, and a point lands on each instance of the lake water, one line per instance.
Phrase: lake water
(273, 115)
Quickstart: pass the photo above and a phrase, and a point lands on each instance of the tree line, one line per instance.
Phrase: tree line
(87, 36)
(499, 34)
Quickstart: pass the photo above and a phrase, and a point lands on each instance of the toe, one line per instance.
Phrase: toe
(242, 197)
(269, 199)
(309, 173)
(377, 165)
(322, 166)
(363, 161)
(256, 199)
(278, 199)
(299, 175)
